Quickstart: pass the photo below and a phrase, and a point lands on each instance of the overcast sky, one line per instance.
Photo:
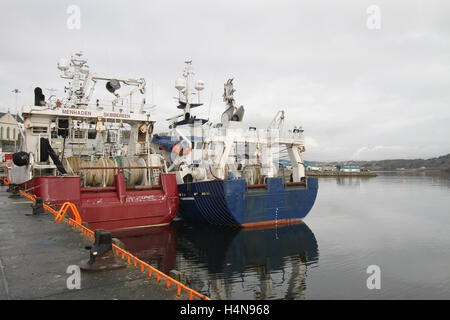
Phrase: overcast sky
(360, 92)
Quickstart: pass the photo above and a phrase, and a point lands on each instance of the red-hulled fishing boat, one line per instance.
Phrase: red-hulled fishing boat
(95, 155)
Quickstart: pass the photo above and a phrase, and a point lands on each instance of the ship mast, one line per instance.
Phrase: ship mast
(183, 85)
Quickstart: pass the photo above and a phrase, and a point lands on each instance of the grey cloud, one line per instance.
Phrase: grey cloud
(357, 92)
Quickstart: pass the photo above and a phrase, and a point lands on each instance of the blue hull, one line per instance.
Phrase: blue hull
(230, 202)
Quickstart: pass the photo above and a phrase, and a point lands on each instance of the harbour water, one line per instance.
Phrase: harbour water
(398, 222)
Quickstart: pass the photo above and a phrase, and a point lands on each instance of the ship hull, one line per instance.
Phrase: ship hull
(110, 208)
(232, 202)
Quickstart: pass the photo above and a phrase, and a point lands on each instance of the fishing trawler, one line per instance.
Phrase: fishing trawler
(95, 154)
(229, 175)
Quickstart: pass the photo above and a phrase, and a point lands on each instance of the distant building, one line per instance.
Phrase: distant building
(9, 131)
(310, 167)
(349, 168)
(284, 163)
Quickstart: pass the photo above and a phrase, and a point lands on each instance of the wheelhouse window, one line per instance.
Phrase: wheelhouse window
(38, 130)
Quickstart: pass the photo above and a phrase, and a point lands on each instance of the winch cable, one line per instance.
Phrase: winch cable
(124, 255)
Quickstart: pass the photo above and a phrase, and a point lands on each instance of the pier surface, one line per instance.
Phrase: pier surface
(35, 253)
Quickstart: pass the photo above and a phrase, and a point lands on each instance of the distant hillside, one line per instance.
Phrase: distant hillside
(439, 163)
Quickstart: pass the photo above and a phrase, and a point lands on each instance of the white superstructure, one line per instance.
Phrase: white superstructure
(209, 151)
(78, 126)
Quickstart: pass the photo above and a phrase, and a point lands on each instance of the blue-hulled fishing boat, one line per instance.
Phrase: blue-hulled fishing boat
(228, 175)
(234, 202)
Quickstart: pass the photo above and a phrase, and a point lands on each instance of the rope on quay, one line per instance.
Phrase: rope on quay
(124, 255)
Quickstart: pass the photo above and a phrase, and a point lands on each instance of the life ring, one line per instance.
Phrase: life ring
(180, 151)
(186, 151)
(6, 181)
(150, 128)
(176, 148)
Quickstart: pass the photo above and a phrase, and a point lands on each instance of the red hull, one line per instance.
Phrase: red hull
(111, 208)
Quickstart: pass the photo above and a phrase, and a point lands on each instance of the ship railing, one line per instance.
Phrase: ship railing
(154, 183)
(264, 185)
(285, 182)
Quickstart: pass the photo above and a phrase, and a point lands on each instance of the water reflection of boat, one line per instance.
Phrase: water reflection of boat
(247, 264)
(156, 245)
